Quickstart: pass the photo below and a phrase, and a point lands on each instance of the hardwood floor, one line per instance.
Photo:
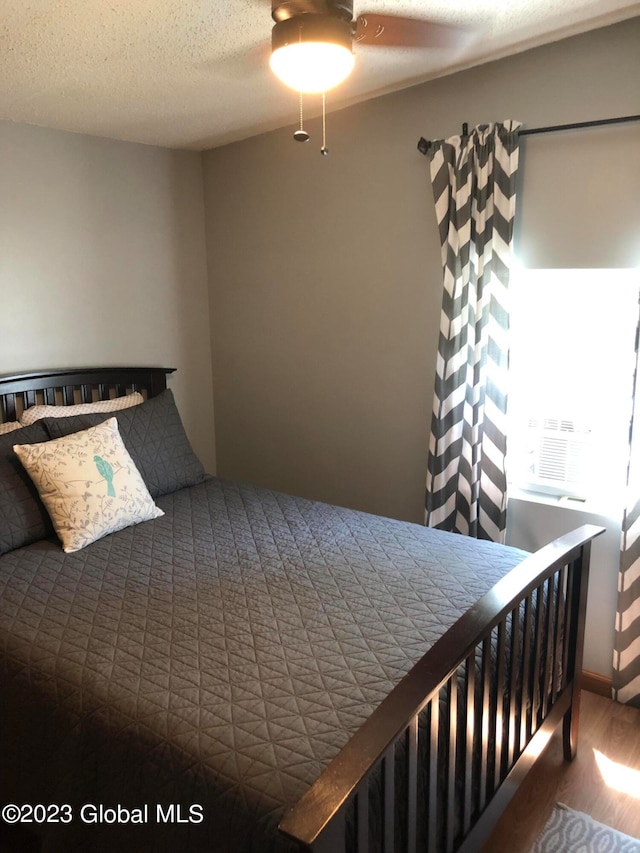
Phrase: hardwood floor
(606, 729)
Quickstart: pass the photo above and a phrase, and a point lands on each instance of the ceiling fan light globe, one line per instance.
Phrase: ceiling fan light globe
(312, 67)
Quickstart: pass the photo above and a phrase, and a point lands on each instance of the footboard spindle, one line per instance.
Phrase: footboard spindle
(445, 751)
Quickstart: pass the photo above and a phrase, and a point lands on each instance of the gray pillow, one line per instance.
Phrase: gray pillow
(23, 517)
(154, 436)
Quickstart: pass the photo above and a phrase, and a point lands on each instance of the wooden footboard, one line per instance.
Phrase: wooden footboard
(436, 764)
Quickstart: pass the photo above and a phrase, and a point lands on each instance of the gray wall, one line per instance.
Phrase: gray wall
(102, 261)
(324, 273)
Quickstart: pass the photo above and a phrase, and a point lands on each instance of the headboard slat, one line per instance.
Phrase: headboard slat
(55, 387)
(8, 410)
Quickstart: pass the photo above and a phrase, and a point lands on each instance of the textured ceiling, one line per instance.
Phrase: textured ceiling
(194, 73)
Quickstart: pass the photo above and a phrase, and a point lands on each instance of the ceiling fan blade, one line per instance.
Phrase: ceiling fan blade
(393, 31)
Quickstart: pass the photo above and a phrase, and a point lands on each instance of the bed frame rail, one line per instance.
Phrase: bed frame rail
(84, 385)
(436, 764)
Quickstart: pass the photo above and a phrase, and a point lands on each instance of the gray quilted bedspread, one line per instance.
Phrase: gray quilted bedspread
(219, 656)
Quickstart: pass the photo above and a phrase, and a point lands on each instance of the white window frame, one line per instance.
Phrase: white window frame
(562, 390)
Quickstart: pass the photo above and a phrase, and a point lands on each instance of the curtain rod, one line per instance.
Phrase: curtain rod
(423, 144)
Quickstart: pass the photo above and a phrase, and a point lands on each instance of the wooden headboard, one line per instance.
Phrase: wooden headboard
(76, 385)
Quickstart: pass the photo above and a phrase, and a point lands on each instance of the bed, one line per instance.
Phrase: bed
(251, 671)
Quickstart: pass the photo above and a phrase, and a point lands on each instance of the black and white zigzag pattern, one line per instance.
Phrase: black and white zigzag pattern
(473, 182)
(626, 655)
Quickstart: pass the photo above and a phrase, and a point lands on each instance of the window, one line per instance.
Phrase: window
(571, 371)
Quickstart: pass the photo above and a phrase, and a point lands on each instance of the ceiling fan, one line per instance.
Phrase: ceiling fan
(312, 40)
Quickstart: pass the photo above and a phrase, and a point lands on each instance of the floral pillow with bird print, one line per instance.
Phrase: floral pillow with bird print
(88, 483)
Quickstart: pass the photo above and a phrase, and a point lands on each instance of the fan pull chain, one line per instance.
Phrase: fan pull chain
(301, 134)
(324, 150)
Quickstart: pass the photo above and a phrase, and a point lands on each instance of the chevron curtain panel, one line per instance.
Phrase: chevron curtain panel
(474, 188)
(626, 652)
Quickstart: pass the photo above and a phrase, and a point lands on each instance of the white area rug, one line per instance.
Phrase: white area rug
(568, 831)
